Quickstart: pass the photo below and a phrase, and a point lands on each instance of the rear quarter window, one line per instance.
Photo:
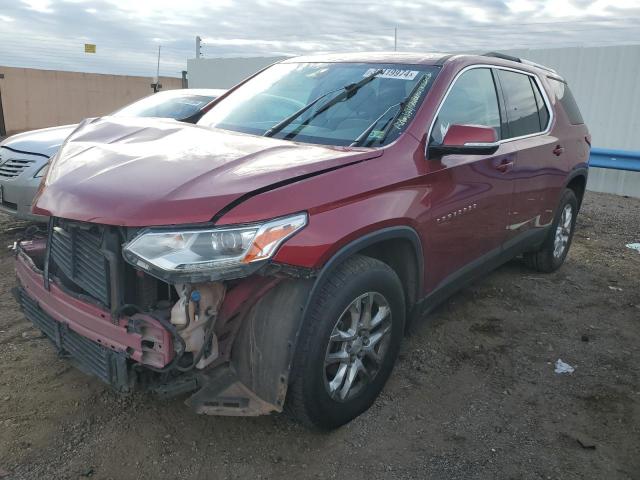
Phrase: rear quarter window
(566, 99)
(543, 111)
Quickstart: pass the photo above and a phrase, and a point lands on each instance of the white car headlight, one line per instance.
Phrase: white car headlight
(42, 171)
(210, 254)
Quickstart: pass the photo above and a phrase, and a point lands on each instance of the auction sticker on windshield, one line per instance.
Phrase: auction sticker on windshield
(393, 73)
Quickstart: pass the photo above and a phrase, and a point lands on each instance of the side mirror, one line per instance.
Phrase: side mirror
(466, 140)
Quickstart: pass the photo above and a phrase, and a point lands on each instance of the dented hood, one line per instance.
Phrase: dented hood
(142, 172)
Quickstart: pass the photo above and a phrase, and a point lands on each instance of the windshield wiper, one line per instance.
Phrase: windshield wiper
(403, 105)
(347, 92)
(363, 136)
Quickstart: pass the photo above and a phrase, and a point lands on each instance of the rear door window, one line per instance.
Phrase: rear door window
(471, 101)
(565, 97)
(522, 107)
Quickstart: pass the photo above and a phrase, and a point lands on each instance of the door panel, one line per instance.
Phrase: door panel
(536, 167)
(469, 194)
(469, 199)
(534, 172)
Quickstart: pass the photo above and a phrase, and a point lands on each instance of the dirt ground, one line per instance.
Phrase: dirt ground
(474, 394)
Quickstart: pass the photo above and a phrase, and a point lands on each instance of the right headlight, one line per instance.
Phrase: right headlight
(195, 255)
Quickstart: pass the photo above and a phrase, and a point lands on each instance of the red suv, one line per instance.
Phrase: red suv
(272, 256)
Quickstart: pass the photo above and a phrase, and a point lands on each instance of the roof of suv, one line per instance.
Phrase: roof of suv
(373, 57)
(418, 59)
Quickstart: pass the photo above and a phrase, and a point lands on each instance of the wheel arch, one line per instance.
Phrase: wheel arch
(577, 181)
(396, 246)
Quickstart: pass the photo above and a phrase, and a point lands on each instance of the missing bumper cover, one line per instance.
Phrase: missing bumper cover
(89, 356)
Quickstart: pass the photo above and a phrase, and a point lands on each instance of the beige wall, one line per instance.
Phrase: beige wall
(44, 98)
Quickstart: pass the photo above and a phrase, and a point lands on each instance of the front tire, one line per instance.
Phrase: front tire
(348, 344)
(555, 248)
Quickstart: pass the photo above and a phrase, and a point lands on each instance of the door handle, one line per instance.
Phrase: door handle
(559, 150)
(504, 165)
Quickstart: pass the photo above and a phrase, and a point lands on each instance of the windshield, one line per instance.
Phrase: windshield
(276, 102)
(165, 106)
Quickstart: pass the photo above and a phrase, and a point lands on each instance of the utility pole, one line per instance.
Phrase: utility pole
(198, 47)
(395, 39)
(156, 85)
(158, 66)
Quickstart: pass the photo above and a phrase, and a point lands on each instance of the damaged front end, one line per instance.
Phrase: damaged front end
(171, 311)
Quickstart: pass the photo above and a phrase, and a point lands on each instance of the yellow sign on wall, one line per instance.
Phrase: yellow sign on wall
(89, 48)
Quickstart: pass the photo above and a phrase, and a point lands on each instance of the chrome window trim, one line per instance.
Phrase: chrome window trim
(481, 144)
(543, 92)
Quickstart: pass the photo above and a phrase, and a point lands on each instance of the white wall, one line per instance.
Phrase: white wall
(619, 182)
(606, 84)
(224, 72)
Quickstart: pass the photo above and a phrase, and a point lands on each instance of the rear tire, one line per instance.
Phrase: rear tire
(555, 248)
(340, 341)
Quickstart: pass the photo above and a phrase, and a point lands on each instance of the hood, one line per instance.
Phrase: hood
(45, 141)
(144, 172)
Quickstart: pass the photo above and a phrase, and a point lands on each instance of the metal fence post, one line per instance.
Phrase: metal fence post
(3, 130)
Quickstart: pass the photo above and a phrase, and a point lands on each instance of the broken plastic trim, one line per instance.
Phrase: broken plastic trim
(178, 341)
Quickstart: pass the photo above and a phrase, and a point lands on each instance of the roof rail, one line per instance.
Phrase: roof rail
(503, 56)
(524, 61)
(534, 64)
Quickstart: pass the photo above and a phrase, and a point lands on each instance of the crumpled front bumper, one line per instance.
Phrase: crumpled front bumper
(100, 344)
(94, 359)
(257, 327)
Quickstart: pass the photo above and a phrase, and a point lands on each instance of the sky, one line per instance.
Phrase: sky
(51, 33)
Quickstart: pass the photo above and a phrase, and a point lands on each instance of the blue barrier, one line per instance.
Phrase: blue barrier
(615, 159)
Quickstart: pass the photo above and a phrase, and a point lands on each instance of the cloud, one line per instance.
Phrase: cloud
(51, 34)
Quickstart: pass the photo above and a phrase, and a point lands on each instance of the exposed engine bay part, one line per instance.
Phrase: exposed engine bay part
(153, 338)
(194, 316)
(256, 379)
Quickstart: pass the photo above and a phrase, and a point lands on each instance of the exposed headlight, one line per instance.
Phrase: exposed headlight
(42, 171)
(210, 254)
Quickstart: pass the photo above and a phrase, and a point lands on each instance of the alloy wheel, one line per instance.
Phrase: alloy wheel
(563, 231)
(357, 346)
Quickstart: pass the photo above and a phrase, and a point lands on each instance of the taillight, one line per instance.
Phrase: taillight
(587, 139)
